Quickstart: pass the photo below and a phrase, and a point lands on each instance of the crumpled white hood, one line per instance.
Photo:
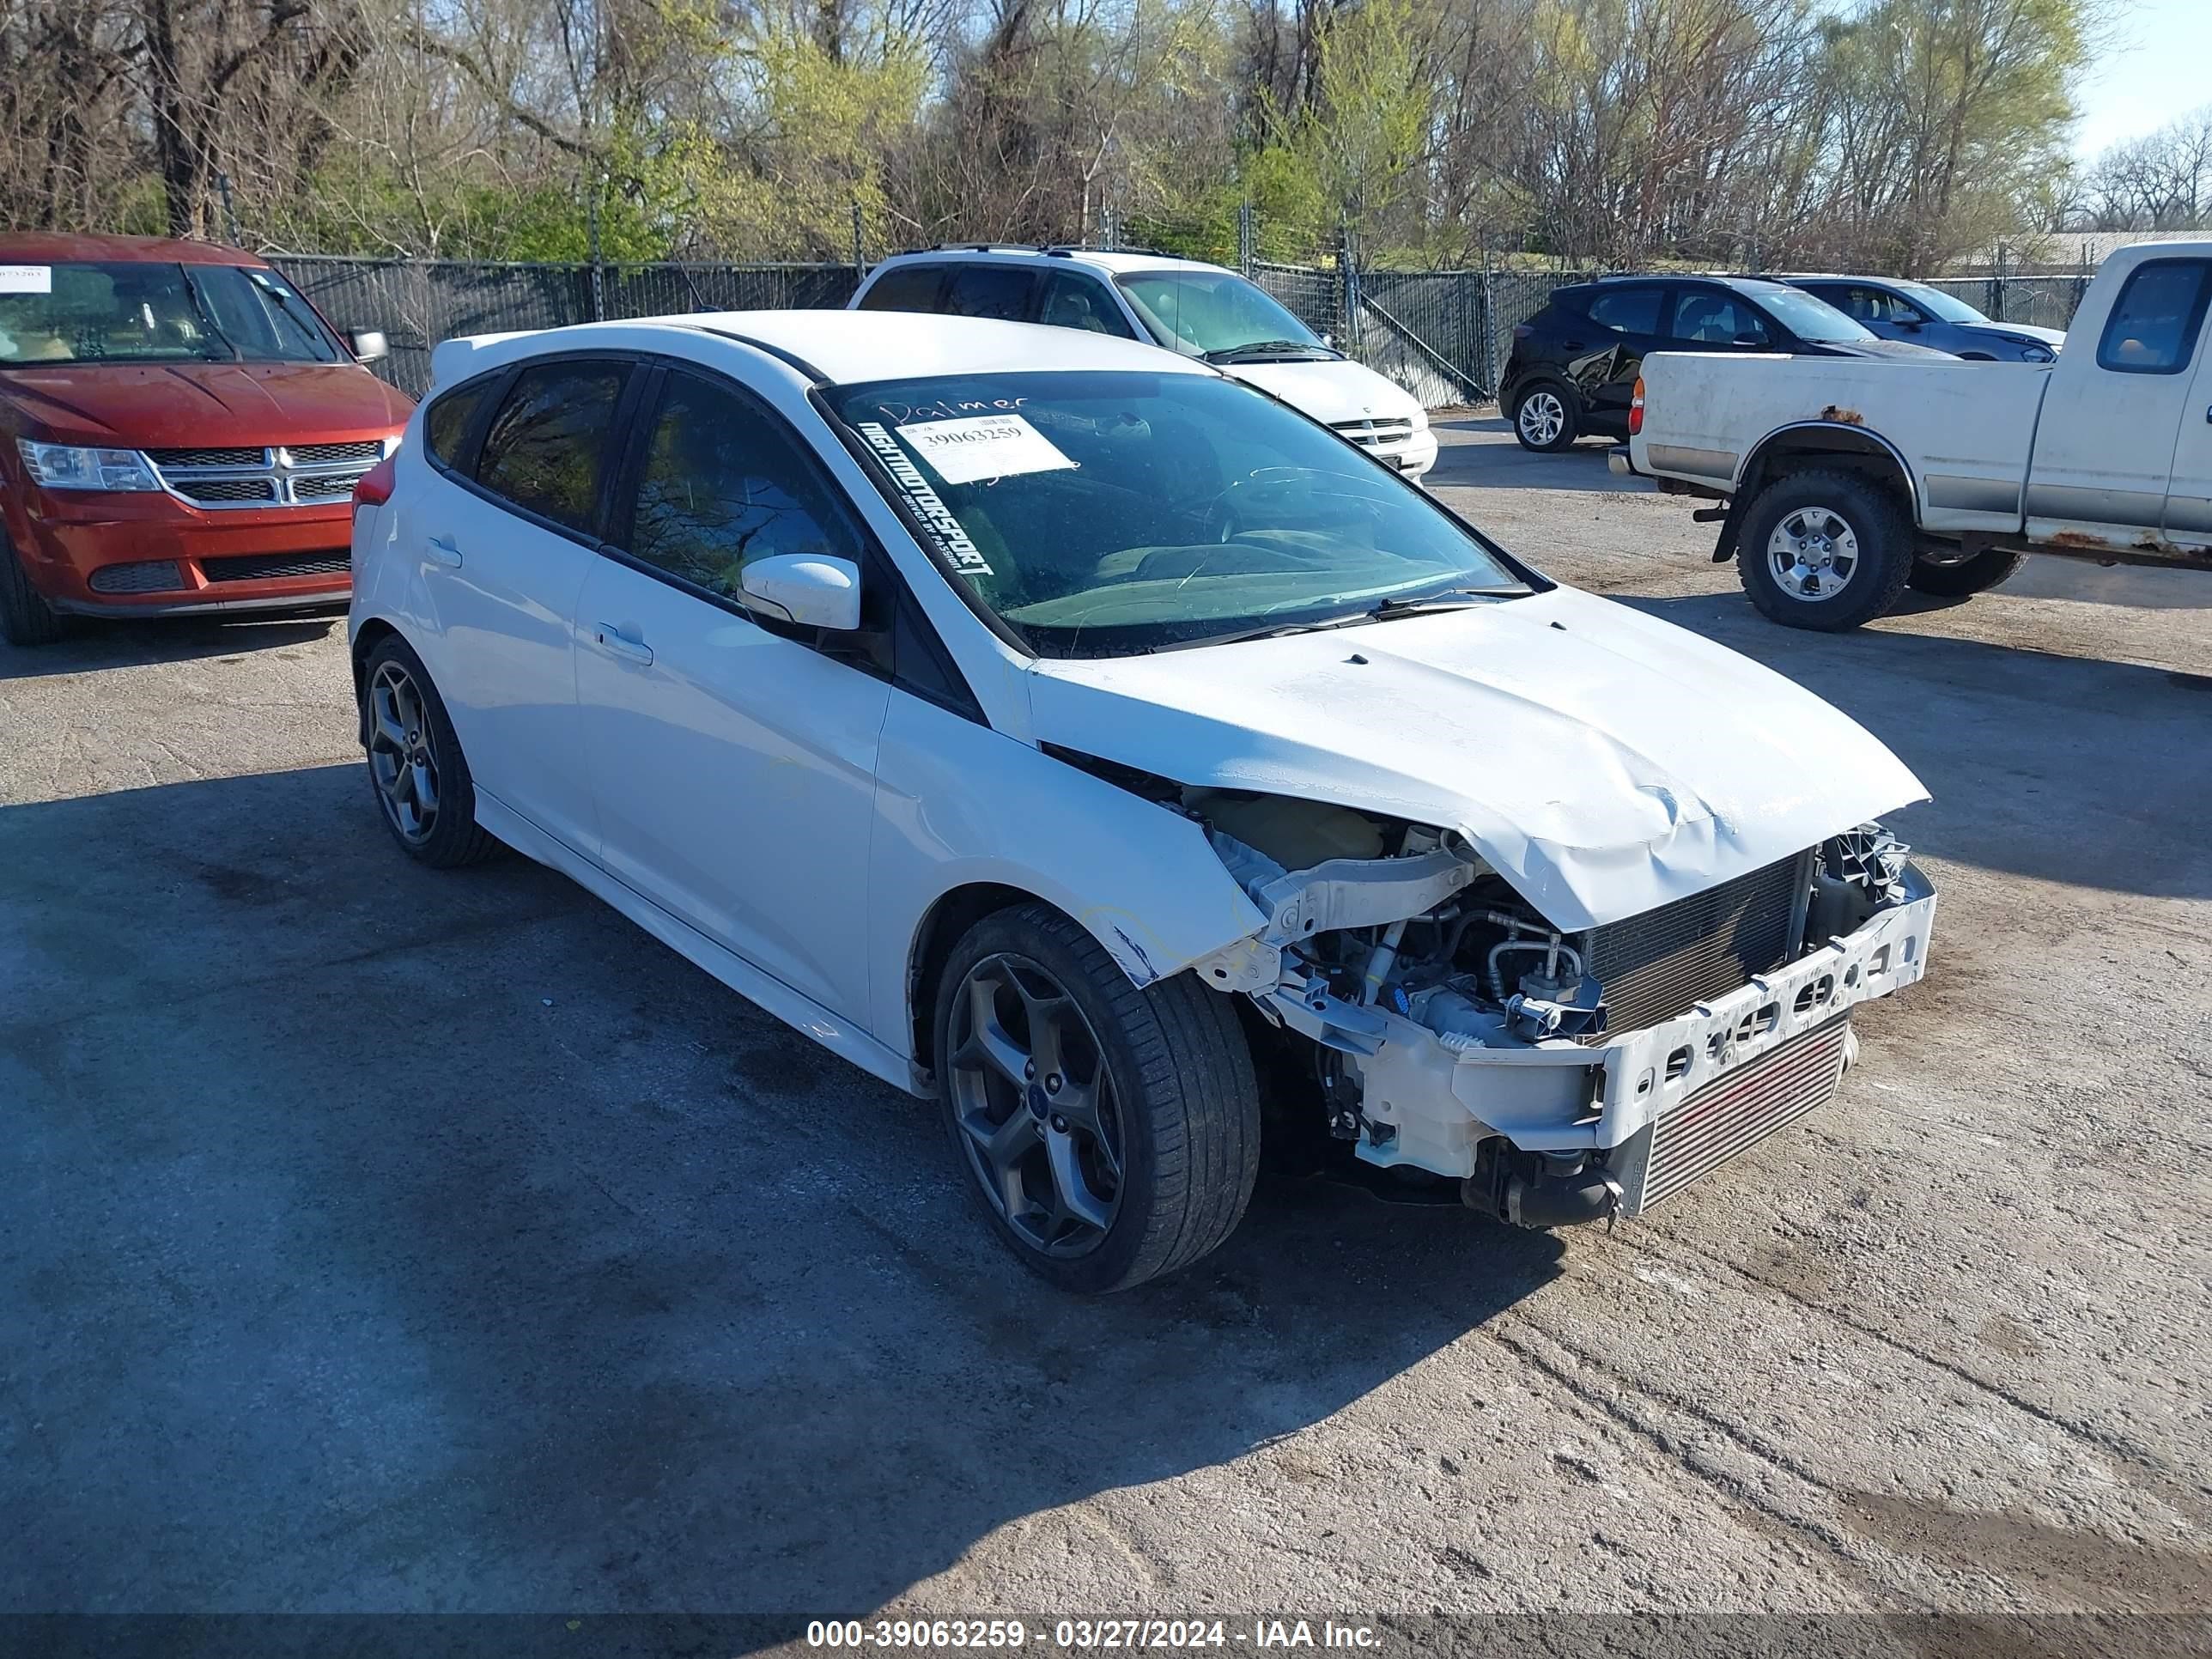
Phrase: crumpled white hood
(1603, 762)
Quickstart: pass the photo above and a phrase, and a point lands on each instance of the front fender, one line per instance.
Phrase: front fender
(957, 804)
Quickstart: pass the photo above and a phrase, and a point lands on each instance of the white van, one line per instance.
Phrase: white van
(1199, 310)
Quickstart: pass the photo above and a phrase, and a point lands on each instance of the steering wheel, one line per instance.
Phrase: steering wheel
(1221, 516)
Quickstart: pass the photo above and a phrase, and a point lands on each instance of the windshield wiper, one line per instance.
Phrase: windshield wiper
(207, 316)
(1275, 631)
(1454, 598)
(1258, 349)
(313, 335)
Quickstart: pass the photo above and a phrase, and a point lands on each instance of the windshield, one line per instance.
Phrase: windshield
(1809, 319)
(128, 312)
(1948, 307)
(1217, 315)
(1105, 513)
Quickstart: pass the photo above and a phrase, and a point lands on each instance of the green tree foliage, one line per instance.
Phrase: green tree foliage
(1948, 115)
(1892, 133)
(1352, 153)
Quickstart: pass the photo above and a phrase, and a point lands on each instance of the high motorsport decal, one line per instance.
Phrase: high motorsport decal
(966, 557)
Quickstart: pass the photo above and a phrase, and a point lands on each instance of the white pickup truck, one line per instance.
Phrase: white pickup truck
(1847, 481)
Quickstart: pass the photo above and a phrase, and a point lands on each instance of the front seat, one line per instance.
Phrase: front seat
(1070, 309)
(1709, 327)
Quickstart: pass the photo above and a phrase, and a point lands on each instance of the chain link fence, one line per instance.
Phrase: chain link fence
(1444, 335)
(2038, 301)
(418, 302)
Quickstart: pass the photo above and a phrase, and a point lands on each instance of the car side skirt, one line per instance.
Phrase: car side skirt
(801, 1012)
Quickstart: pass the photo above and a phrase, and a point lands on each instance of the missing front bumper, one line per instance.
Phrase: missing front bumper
(1731, 1116)
(1657, 1107)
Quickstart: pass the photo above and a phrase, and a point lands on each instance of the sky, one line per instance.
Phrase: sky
(2153, 72)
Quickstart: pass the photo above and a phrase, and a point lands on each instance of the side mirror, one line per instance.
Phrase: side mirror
(369, 345)
(1753, 342)
(809, 589)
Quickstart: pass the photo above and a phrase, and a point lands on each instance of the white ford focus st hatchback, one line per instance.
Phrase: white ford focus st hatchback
(1122, 760)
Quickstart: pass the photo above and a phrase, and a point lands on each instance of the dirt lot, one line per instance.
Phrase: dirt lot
(378, 1239)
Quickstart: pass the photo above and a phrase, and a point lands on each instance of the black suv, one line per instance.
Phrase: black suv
(1574, 364)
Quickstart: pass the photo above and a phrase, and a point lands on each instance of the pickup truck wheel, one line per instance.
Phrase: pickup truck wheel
(25, 617)
(1825, 550)
(1110, 1134)
(1956, 577)
(1545, 417)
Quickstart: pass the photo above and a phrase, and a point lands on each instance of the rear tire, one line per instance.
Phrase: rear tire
(26, 618)
(1956, 577)
(1547, 417)
(1110, 1134)
(421, 778)
(1824, 549)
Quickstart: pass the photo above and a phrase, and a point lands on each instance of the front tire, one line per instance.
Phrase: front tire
(26, 618)
(1954, 578)
(1110, 1134)
(1824, 549)
(423, 790)
(1546, 418)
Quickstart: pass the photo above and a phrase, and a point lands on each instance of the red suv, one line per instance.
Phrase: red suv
(180, 431)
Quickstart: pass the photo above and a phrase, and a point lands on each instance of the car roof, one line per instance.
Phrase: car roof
(1748, 285)
(1840, 276)
(1115, 260)
(843, 346)
(47, 247)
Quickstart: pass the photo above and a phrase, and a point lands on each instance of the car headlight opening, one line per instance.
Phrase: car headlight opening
(65, 467)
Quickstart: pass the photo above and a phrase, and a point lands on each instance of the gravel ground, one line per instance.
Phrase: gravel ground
(378, 1239)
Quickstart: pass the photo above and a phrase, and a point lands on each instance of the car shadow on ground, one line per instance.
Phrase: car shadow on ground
(2011, 784)
(409, 1240)
(1580, 466)
(92, 644)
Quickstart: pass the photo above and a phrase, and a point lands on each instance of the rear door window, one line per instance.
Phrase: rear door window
(1000, 291)
(2154, 323)
(545, 450)
(908, 288)
(1627, 310)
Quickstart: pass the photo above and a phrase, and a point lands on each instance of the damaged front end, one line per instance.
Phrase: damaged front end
(1559, 1077)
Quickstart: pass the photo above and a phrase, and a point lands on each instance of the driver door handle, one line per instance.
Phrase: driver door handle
(444, 550)
(610, 637)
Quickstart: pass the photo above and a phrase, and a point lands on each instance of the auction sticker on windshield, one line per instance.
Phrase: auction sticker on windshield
(27, 279)
(983, 446)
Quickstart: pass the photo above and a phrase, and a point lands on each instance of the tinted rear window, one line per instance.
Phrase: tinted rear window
(1001, 291)
(445, 424)
(909, 288)
(546, 446)
(1627, 310)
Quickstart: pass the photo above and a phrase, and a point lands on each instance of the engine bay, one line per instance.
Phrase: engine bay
(1426, 984)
